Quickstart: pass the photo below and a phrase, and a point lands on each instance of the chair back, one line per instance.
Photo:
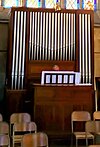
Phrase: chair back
(96, 115)
(79, 116)
(93, 126)
(94, 145)
(25, 127)
(1, 117)
(19, 129)
(39, 139)
(90, 126)
(18, 118)
(4, 128)
(4, 140)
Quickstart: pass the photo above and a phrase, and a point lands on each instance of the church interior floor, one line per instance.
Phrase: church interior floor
(65, 143)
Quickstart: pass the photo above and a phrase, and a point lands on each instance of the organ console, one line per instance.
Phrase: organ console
(39, 39)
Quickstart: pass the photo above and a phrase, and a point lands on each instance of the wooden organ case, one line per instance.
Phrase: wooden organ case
(40, 39)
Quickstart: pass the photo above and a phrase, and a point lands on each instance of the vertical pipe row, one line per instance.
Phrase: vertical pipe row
(85, 47)
(18, 56)
(52, 36)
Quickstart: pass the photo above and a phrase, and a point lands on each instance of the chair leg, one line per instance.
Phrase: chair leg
(72, 140)
(13, 142)
(87, 142)
(76, 142)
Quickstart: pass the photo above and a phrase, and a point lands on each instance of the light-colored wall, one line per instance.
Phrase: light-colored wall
(96, 51)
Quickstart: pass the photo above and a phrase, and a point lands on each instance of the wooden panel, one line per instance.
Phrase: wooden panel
(36, 67)
(53, 106)
(15, 101)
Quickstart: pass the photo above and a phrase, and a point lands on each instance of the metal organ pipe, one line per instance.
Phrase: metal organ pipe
(13, 57)
(80, 44)
(40, 37)
(20, 51)
(58, 45)
(46, 42)
(66, 36)
(83, 54)
(49, 35)
(69, 31)
(73, 37)
(17, 50)
(89, 48)
(52, 39)
(86, 49)
(23, 51)
(55, 38)
(63, 46)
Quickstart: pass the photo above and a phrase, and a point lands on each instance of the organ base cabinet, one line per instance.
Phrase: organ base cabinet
(53, 106)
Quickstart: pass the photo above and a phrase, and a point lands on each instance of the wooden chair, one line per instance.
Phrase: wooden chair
(91, 127)
(4, 128)
(79, 117)
(1, 117)
(18, 118)
(4, 140)
(94, 128)
(4, 132)
(96, 115)
(94, 145)
(39, 139)
(19, 129)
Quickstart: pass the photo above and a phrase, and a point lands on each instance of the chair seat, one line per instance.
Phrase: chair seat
(82, 135)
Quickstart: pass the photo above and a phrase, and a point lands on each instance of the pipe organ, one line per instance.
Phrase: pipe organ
(38, 40)
(49, 35)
